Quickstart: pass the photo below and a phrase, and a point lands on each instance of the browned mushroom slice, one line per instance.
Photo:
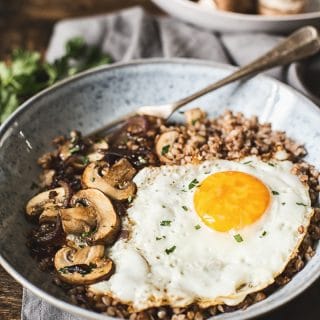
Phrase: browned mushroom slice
(115, 182)
(97, 150)
(78, 220)
(194, 115)
(45, 200)
(48, 215)
(107, 222)
(84, 266)
(164, 144)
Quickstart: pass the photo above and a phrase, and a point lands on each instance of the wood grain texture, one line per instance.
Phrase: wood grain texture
(10, 297)
(28, 23)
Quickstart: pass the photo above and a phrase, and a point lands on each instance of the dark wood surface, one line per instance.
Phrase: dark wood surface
(28, 24)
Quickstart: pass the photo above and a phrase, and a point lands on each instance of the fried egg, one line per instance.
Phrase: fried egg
(209, 233)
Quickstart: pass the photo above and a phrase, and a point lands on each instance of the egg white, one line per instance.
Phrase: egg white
(203, 265)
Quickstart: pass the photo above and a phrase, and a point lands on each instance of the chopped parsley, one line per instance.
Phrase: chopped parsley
(163, 206)
(93, 179)
(276, 193)
(160, 238)
(85, 160)
(193, 184)
(301, 204)
(271, 164)
(194, 121)
(165, 223)
(185, 208)
(283, 203)
(170, 250)
(165, 149)
(88, 234)
(238, 238)
(248, 162)
(197, 227)
(74, 149)
(263, 234)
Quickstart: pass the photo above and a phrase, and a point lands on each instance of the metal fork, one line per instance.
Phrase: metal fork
(303, 43)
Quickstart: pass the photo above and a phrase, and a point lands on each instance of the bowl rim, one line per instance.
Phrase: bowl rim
(188, 5)
(76, 310)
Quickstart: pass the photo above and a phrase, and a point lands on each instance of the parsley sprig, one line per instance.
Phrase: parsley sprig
(193, 184)
(26, 73)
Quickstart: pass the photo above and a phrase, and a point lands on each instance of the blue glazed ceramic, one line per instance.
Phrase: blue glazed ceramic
(91, 100)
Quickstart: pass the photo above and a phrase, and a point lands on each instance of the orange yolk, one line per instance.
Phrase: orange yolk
(231, 200)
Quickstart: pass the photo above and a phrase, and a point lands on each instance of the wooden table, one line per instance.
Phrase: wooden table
(28, 24)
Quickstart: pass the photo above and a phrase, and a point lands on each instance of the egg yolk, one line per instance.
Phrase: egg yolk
(231, 200)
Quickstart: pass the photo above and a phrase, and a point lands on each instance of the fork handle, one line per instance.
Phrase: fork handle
(301, 44)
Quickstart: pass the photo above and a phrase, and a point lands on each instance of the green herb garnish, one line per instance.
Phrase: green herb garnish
(89, 233)
(248, 162)
(301, 204)
(238, 238)
(165, 149)
(271, 164)
(197, 227)
(185, 208)
(283, 203)
(165, 223)
(170, 250)
(85, 160)
(160, 238)
(276, 193)
(193, 184)
(74, 149)
(26, 73)
(263, 234)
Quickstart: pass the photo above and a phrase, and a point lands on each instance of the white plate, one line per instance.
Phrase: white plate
(228, 21)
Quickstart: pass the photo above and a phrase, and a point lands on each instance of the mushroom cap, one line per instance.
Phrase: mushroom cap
(115, 181)
(164, 144)
(106, 218)
(45, 200)
(78, 220)
(84, 266)
(48, 215)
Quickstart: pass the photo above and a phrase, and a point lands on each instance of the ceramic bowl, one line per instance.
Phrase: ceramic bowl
(224, 21)
(93, 99)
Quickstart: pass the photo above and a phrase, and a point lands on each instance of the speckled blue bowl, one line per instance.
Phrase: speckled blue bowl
(91, 100)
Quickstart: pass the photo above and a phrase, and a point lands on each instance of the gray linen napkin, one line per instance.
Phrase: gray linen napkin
(132, 34)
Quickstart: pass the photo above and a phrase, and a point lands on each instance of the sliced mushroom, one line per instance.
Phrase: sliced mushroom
(106, 221)
(164, 144)
(114, 182)
(84, 266)
(46, 177)
(48, 215)
(97, 150)
(70, 146)
(45, 200)
(78, 220)
(194, 115)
